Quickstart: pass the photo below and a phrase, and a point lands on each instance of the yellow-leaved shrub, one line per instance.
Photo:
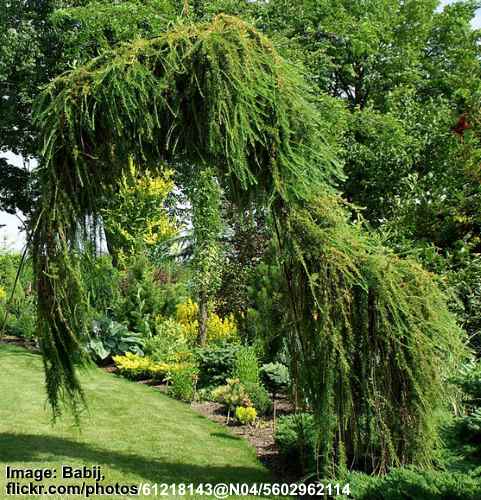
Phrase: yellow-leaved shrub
(217, 328)
(246, 415)
(136, 367)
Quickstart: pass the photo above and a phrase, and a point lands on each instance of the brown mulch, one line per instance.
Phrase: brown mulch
(260, 436)
(31, 345)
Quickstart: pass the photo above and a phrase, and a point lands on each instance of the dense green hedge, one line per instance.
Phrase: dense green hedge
(412, 484)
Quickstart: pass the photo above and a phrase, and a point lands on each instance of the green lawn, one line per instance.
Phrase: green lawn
(135, 433)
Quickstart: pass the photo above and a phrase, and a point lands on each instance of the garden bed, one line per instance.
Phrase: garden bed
(156, 440)
(260, 435)
(31, 345)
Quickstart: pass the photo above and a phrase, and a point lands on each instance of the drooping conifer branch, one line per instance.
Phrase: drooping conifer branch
(372, 333)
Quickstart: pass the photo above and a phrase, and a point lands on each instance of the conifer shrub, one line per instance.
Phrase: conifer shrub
(468, 426)
(276, 377)
(246, 365)
(411, 483)
(296, 438)
(231, 395)
(260, 398)
(216, 363)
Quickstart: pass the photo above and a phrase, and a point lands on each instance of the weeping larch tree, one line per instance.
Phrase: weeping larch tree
(371, 338)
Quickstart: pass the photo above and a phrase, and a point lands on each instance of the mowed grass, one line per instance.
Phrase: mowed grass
(136, 434)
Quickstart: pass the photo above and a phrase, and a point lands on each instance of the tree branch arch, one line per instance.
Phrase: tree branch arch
(371, 331)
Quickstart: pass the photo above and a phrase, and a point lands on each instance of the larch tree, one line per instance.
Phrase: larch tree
(371, 332)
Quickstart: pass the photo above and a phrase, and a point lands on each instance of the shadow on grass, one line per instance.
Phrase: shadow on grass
(11, 349)
(37, 448)
(224, 435)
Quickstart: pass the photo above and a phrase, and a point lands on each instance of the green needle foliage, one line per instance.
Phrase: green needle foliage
(214, 94)
(371, 333)
(375, 341)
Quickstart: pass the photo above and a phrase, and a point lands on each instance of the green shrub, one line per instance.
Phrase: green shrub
(267, 317)
(204, 394)
(469, 381)
(19, 308)
(216, 364)
(246, 415)
(141, 300)
(21, 319)
(275, 376)
(173, 288)
(462, 270)
(468, 427)
(296, 439)
(231, 395)
(183, 382)
(260, 398)
(246, 366)
(167, 342)
(413, 484)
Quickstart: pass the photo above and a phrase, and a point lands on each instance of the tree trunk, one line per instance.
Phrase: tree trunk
(202, 318)
(111, 248)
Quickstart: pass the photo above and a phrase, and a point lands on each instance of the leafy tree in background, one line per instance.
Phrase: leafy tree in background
(406, 73)
(28, 59)
(135, 216)
(38, 41)
(89, 27)
(14, 188)
(29, 55)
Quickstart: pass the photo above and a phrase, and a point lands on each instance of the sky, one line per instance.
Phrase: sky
(10, 235)
(12, 238)
(476, 20)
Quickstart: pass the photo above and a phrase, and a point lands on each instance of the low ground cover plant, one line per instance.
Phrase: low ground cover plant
(411, 483)
(137, 367)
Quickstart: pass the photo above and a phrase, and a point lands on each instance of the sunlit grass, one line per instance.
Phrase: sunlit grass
(132, 431)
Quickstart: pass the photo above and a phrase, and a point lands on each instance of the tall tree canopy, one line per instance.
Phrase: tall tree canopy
(371, 334)
(409, 75)
(38, 41)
